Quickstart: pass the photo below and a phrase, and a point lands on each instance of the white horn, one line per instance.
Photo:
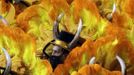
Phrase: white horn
(56, 26)
(92, 60)
(110, 16)
(123, 67)
(9, 63)
(76, 37)
(122, 64)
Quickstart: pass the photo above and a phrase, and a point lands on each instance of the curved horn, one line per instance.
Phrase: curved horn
(92, 60)
(114, 8)
(8, 64)
(113, 11)
(76, 37)
(3, 20)
(56, 26)
(123, 67)
(122, 64)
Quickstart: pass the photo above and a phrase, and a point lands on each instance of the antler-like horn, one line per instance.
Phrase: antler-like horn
(120, 60)
(113, 11)
(76, 37)
(56, 26)
(8, 64)
(3, 20)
